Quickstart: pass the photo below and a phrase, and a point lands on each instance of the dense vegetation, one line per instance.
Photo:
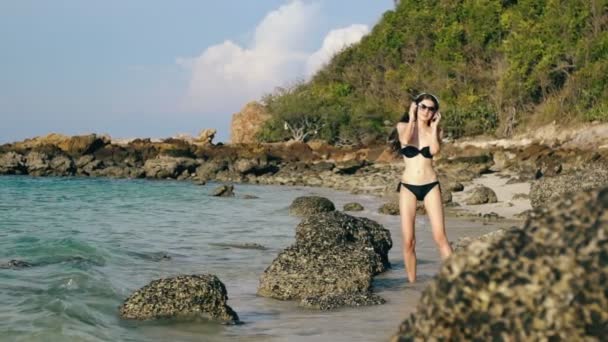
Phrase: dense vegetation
(498, 66)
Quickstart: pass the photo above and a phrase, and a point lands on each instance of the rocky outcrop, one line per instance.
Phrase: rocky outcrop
(185, 296)
(12, 163)
(74, 146)
(545, 281)
(291, 163)
(247, 123)
(41, 164)
(545, 190)
(331, 264)
(309, 205)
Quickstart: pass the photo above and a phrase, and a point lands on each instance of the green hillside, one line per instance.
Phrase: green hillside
(497, 66)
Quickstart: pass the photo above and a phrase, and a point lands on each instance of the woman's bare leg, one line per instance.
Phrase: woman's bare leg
(434, 208)
(407, 207)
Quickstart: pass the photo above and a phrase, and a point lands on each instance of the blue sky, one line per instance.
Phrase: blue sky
(144, 68)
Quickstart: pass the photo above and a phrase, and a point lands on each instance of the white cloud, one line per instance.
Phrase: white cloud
(226, 76)
(334, 42)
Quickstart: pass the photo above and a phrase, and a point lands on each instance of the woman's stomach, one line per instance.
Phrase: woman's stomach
(415, 174)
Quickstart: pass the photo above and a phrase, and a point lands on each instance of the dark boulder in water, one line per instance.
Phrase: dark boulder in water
(223, 191)
(185, 296)
(328, 230)
(331, 264)
(15, 264)
(545, 281)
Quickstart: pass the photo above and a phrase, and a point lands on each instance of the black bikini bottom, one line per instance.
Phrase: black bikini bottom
(419, 191)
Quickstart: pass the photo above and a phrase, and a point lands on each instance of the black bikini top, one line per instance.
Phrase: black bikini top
(410, 151)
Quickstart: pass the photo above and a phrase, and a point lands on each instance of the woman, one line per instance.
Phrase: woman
(418, 138)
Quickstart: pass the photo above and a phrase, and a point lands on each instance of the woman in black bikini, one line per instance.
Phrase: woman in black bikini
(418, 139)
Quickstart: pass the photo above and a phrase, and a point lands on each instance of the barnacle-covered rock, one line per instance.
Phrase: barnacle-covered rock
(547, 189)
(480, 195)
(309, 205)
(184, 296)
(331, 264)
(353, 206)
(545, 281)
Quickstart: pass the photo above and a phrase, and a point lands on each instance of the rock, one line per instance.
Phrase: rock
(331, 264)
(197, 181)
(349, 167)
(40, 164)
(546, 189)
(209, 169)
(524, 214)
(452, 186)
(520, 196)
(223, 191)
(353, 206)
(205, 137)
(74, 146)
(548, 169)
(247, 196)
(15, 264)
(91, 168)
(84, 160)
(545, 281)
(446, 196)
(322, 166)
(12, 163)
(334, 301)
(337, 228)
(301, 272)
(82, 144)
(309, 205)
(37, 164)
(247, 123)
(390, 208)
(492, 216)
(464, 242)
(502, 160)
(118, 172)
(480, 195)
(188, 296)
(164, 166)
(62, 166)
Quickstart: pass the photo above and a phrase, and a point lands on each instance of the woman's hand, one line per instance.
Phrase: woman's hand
(435, 121)
(412, 112)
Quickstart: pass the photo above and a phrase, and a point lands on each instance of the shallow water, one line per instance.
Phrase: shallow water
(94, 241)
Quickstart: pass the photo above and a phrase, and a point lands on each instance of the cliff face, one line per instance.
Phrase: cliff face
(247, 123)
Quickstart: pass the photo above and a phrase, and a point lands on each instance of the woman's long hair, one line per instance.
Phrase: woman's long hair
(393, 138)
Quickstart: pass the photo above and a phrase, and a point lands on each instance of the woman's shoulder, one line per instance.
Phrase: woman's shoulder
(401, 125)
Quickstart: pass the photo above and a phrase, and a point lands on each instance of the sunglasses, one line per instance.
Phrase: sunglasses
(424, 107)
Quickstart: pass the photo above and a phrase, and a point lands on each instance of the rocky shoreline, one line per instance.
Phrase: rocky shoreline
(551, 175)
(371, 170)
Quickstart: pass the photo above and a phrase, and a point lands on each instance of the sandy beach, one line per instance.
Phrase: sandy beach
(508, 205)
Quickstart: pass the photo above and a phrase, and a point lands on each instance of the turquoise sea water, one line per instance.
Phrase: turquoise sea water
(93, 241)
